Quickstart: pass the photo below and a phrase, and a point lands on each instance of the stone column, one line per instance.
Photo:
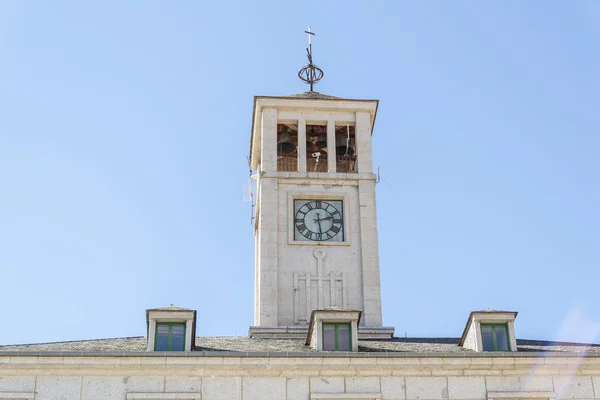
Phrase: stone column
(189, 342)
(151, 334)
(267, 252)
(268, 137)
(354, 335)
(302, 145)
(370, 254)
(363, 142)
(511, 335)
(331, 158)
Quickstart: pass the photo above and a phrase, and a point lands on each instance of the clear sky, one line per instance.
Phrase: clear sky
(124, 131)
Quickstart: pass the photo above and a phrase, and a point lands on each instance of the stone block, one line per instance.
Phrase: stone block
(573, 387)
(467, 388)
(367, 199)
(264, 388)
(426, 388)
(269, 236)
(17, 383)
(298, 389)
(146, 384)
(268, 250)
(536, 383)
(103, 388)
(363, 385)
(371, 293)
(221, 388)
(368, 213)
(392, 388)
(327, 385)
(182, 384)
(58, 388)
(596, 384)
(503, 384)
(369, 233)
(371, 252)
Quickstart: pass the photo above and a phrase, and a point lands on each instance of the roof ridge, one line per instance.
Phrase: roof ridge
(314, 95)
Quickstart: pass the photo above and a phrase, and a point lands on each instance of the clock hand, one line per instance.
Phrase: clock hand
(318, 221)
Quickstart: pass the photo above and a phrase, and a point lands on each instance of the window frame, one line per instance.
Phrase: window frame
(494, 340)
(170, 342)
(336, 335)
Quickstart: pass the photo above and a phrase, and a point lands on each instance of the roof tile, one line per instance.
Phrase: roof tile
(245, 344)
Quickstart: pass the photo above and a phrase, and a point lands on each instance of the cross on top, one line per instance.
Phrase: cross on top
(309, 33)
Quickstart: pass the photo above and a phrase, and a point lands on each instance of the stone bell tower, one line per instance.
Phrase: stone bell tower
(315, 217)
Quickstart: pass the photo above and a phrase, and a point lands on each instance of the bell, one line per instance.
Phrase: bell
(342, 146)
(285, 145)
(322, 142)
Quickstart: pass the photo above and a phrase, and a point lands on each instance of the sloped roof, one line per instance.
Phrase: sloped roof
(170, 307)
(314, 95)
(245, 345)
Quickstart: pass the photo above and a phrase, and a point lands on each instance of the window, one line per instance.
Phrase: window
(170, 336)
(316, 148)
(345, 148)
(287, 147)
(336, 337)
(494, 337)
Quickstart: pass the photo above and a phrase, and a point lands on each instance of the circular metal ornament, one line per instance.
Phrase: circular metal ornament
(311, 74)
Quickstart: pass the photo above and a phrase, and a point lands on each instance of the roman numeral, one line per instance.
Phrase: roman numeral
(335, 229)
(309, 206)
(318, 204)
(301, 228)
(337, 221)
(335, 212)
(299, 220)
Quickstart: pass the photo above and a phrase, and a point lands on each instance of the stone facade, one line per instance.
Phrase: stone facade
(221, 377)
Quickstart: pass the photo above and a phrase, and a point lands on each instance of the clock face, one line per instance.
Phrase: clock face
(318, 220)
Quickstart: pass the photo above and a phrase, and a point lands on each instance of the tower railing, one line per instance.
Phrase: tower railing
(287, 163)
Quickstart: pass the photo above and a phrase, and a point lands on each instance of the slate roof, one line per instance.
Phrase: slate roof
(245, 344)
(170, 307)
(314, 95)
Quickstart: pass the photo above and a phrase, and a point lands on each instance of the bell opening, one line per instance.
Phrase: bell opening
(287, 147)
(316, 148)
(345, 148)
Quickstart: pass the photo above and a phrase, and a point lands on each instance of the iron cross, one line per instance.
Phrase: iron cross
(309, 35)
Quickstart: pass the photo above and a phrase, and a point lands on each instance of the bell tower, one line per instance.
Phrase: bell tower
(315, 216)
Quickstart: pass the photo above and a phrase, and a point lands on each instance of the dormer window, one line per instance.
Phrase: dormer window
(333, 329)
(170, 336)
(337, 336)
(171, 328)
(494, 337)
(490, 330)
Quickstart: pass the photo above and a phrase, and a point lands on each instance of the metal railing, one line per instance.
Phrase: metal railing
(287, 163)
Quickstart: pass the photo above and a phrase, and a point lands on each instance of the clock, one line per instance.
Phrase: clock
(318, 220)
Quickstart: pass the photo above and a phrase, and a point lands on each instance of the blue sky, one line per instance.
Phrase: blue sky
(124, 131)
